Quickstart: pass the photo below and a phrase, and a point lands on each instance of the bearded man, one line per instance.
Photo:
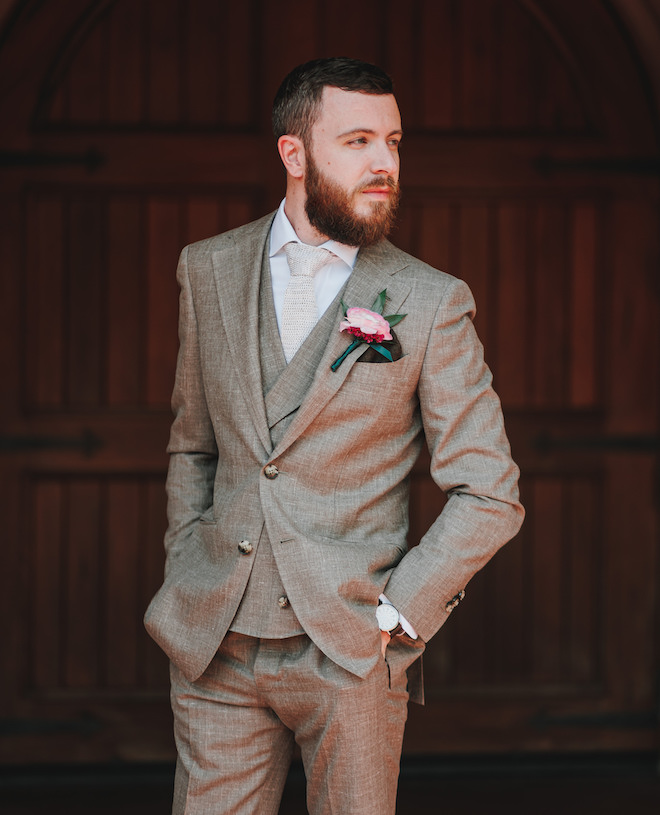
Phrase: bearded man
(292, 609)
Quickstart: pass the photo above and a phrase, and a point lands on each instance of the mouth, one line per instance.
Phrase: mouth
(378, 192)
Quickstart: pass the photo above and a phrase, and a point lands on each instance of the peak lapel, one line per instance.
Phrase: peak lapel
(237, 270)
(375, 270)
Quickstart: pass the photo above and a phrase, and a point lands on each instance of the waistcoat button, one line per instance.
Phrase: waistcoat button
(283, 601)
(271, 471)
(245, 547)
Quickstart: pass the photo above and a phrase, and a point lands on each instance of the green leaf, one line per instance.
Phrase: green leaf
(379, 302)
(344, 306)
(394, 319)
(383, 351)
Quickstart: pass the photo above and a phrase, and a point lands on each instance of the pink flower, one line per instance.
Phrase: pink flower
(369, 325)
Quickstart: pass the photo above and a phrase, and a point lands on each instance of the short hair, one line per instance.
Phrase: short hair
(297, 103)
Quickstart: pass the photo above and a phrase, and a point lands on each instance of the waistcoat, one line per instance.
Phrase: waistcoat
(260, 613)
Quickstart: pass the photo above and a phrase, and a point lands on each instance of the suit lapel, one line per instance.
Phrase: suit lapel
(237, 270)
(375, 270)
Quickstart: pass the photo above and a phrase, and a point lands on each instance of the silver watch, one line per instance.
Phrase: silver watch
(388, 619)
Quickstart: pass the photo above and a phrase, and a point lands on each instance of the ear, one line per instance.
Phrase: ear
(292, 153)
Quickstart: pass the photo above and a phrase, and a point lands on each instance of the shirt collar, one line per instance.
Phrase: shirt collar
(282, 232)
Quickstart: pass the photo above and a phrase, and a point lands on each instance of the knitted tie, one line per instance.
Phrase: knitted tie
(299, 313)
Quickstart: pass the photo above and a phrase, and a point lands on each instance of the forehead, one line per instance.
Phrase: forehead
(344, 111)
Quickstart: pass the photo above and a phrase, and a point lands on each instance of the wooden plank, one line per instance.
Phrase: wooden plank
(202, 218)
(207, 35)
(240, 60)
(122, 615)
(126, 92)
(511, 362)
(163, 47)
(85, 326)
(43, 331)
(584, 302)
(340, 39)
(438, 65)
(474, 261)
(152, 661)
(164, 245)
(125, 302)
(84, 531)
(584, 634)
(47, 634)
(547, 581)
(550, 338)
(86, 80)
(477, 27)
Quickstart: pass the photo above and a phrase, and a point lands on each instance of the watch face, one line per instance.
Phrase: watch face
(387, 616)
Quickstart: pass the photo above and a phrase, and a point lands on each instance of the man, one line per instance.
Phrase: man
(292, 608)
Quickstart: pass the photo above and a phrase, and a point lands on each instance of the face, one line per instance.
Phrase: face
(352, 167)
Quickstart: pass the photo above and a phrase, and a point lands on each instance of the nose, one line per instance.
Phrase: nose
(385, 159)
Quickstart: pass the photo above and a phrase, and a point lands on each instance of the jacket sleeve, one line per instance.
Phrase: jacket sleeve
(470, 462)
(192, 446)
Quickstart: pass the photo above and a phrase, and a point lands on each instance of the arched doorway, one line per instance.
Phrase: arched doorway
(135, 127)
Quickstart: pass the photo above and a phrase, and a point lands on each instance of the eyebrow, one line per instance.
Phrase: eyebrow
(354, 132)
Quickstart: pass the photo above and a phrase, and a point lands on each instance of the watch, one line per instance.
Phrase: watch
(388, 619)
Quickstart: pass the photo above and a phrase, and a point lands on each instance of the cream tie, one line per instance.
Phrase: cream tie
(299, 312)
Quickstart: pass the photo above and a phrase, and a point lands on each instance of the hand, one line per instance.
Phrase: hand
(384, 641)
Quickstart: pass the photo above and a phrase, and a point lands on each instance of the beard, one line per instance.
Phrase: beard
(331, 211)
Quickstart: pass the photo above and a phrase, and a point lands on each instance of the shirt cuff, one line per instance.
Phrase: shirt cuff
(410, 631)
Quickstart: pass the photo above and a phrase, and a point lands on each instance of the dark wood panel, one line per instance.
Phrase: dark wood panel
(191, 64)
(96, 559)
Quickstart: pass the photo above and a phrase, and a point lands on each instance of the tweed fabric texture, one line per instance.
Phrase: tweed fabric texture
(235, 728)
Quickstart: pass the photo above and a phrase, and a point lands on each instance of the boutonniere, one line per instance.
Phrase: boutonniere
(369, 326)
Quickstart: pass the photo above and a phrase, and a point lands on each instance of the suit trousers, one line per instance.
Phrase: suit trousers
(236, 725)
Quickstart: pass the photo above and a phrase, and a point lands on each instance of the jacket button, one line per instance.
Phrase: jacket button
(283, 601)
(271, 471)
(245, 547)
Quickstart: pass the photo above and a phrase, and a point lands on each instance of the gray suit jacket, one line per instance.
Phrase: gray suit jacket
(337, 510)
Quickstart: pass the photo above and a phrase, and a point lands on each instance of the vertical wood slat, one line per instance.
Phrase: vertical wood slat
(547, 579)
(549, 337)
(86, 281)
(204, 79)
(437, 55)
(477, 22)
(511, 364)
(124, 311)
(241, 102)
(164, 74)
(583, 302)
(123, 615)
(87, 85)
(584, 600)
(83, 585)
(126, 69)
(164, 220)
(474, 260)
(46, 581)
(96, 559)
(349, 40)
(153, 664)
(44, 306)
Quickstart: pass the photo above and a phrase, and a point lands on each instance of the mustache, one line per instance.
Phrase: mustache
(378, 182)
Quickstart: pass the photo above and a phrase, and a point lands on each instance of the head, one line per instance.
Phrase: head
(338, 130)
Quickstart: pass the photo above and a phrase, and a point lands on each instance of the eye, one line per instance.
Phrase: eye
(359, 141)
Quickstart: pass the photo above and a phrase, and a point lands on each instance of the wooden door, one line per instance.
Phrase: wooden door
(136, 126)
